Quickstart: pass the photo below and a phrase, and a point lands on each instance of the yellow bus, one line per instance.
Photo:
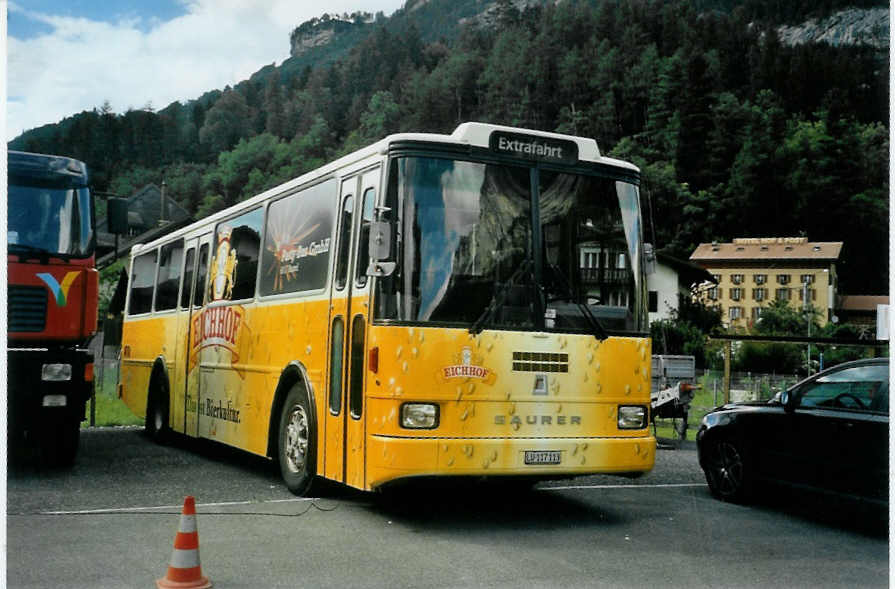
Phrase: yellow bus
(431, 305)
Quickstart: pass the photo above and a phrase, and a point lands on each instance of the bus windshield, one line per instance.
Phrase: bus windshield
(483, 245)
(49, 220)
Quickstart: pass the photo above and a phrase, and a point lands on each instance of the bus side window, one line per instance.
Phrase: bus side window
(187, 287)
(168, 276)
(344, 242)
(202, 273)
(142, 283)
(363, 245)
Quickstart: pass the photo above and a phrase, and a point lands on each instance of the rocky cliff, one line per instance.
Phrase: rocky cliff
(321, 31)
(853, 26)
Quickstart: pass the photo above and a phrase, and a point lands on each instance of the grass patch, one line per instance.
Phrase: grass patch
(112, 411)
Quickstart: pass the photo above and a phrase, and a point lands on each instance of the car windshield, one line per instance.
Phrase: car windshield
(512, 247)
(49, 220)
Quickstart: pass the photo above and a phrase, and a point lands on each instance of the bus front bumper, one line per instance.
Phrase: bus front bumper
(391, 458)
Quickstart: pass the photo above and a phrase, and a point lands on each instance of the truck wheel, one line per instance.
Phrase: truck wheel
(157, 415)
(296, 447)
(59, 443)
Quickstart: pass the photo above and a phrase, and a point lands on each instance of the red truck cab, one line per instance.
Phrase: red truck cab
(52, 297)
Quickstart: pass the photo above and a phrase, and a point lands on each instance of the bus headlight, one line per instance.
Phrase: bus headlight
(419, 415)
(55, 372)
(631, 417)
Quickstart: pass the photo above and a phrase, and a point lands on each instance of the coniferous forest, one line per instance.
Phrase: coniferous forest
(736, 133)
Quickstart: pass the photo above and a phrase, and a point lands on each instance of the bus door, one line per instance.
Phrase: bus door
(178, 374)
(349, 308)
(191, 335)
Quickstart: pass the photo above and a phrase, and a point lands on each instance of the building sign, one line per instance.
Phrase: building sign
(531, 147)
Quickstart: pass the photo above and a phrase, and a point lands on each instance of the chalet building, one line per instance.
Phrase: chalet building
(751, 272)
(673, 278)
(861, 312)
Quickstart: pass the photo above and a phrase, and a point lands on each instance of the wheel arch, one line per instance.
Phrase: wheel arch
(293, 374)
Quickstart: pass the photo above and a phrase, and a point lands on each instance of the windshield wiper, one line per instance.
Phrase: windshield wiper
(596, 327)
(499, 297)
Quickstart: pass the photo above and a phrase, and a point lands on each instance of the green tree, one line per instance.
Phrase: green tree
(226, 122)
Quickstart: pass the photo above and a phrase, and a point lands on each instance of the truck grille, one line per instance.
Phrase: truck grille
(27, 310)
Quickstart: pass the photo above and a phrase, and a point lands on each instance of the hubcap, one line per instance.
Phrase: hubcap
(295, 448)
(728, 468)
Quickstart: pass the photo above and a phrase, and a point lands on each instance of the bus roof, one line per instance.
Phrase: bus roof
(473, 134)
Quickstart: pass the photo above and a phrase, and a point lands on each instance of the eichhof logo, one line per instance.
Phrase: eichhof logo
(467, 366)
(60, 291)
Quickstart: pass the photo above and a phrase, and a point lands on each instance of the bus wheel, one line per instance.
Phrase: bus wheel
(296, 444)
(157, 415)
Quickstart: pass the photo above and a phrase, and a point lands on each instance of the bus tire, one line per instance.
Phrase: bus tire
(296, 443)
(157, 414)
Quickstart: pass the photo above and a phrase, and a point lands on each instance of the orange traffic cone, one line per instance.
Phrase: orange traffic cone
(184, 572)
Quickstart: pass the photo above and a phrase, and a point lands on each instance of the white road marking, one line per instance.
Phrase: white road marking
(657, 486)
(157, 507)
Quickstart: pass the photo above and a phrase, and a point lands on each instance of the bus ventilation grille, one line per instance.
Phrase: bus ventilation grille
(540, 362)
(27, 310)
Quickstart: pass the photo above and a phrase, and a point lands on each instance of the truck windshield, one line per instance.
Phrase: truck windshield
(484, 245)
(49, 220)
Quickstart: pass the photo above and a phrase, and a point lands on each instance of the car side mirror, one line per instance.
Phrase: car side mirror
(788, 400)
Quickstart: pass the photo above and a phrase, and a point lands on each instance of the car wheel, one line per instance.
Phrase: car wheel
(296, 444)
(727, 471)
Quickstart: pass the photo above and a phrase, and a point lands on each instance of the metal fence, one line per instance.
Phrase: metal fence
(746, 386)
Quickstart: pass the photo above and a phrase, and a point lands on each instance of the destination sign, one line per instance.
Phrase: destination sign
(531, 147)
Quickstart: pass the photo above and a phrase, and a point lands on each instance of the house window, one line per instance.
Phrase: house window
(812, 294)
(756, 313)
(783, 279)
(782, 294)
(735, 313)
(759, 294)
(736, 294)
(653, 301)
(760, 278)
(736, 278)
(807, 278)
(714, 293)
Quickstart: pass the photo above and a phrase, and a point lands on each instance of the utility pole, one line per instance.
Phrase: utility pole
(806, 309)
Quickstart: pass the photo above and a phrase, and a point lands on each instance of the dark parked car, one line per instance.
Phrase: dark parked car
(828, 433)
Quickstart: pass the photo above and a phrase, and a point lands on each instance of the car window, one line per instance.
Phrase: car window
(857, 388)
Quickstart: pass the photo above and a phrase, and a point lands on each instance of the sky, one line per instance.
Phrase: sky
(67, 56)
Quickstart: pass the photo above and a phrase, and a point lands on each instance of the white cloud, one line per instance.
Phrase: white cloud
(82, 63)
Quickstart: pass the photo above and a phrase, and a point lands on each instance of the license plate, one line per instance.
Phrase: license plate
(542, 457)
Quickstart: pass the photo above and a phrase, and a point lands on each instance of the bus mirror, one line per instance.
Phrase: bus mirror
(380, 240)
(649, 259)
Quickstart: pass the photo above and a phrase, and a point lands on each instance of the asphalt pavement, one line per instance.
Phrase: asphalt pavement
(111, 520)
